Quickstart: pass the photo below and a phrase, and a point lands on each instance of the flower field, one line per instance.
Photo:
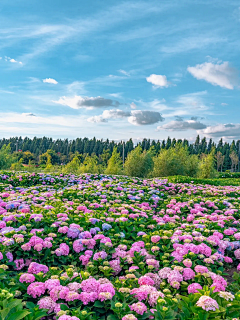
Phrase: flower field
(104, 247)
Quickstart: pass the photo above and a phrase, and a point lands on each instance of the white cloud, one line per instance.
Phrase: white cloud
(140, 118)
(193, 100)
(78, 102)
(109, 114)
(116, 95)
(220, 74)
(124, 72)
(30, 125)
(158, 80)
(97, 119)
(29, 114)
(136, 117)
(192, 43)
(182, 125)
(133, 105)
(30, 118)
(8, 59)
(224, 104)
(228, 130)
(191, 104)
(50, 80)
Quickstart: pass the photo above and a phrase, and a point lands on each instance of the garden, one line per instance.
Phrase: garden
(97, 246)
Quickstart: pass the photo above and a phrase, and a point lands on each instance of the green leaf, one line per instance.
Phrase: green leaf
(4, 313)
(40, 315)
(14, 304)
(30, 305)
(98, 304)
(111, 317)
(19, 315)
(101, 310)
(64, 307)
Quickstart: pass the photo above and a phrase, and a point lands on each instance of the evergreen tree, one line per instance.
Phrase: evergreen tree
(169, 143)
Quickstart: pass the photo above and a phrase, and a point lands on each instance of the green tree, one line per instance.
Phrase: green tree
(45, 157)
(89, 165)
(27, 156)
(234, 160)
(17, 166)
(175, 161)
(73, 166)
(138, 163)
(206, 166)
(104, 157)
(114, 163)
(220, 160)
(6, 157)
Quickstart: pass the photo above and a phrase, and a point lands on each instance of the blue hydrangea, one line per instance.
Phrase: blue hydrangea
(141, 233)
(106, 226)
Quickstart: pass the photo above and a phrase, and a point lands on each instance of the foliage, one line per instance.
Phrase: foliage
(89, 165)
(114, 163)
(227, 154)
(93, 246)
(17, 166)
(138, 163)
(6, 157)
(206, 167)
(73, 166)
(49, 157)
(175, 161)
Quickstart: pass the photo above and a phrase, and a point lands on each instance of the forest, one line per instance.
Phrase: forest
(38, 151)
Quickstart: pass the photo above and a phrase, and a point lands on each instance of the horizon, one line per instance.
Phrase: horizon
(135, 141)
(120, 70)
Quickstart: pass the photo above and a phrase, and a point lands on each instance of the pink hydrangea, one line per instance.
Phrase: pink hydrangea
(139, 307)
(187, 263)
(74, 286)
(87, 297)
(90, 285)
(129, 316)
(188, 274)
(194, 287)
(107, 287)
(36, 289)
(72, 295)
(102, 296)
(155, 239)
(19, 264)
(66, 317)
(51, 283)
(145, 280)
(47, 303)
(27, 277)
(201, 269)
(237, 254)
(142, 292)
(207, 303)
(154, 296)
(35, 268)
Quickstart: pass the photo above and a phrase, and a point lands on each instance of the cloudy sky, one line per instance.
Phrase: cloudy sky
(120, 69)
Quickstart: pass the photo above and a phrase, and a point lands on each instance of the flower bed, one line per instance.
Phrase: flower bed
(96, 246)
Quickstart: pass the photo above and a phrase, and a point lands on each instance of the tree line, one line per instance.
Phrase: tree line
(48, 152)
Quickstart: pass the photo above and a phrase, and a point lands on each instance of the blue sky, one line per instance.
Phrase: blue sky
(120, 69)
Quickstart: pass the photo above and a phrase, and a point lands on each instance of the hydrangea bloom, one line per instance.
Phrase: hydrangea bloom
(207, 303)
